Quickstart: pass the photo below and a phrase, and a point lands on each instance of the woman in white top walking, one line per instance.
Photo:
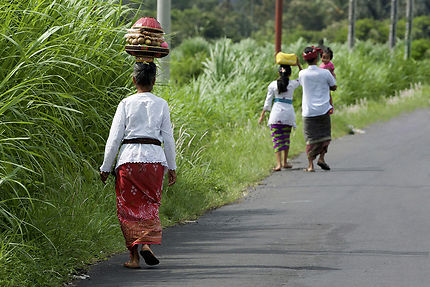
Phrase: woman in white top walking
(282, 116)
(141, 123)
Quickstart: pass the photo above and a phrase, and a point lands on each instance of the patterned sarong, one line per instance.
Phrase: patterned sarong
(280, 136)
(138, 193)
(317, 132)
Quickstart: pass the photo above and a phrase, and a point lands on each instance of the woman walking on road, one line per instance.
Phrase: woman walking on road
(316, 83)
(141, 123)
(282, 116)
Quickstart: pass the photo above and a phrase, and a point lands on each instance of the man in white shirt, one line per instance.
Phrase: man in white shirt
(316, 83)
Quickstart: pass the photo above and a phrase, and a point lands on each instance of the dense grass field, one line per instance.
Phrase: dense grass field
(63, 72)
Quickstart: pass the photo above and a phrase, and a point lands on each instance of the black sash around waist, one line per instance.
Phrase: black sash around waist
(142, 141)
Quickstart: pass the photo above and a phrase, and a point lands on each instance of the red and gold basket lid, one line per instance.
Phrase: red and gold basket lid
(148, 23)
(145, 40)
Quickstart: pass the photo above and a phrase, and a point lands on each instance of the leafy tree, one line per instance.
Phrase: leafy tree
(198, 23)
(371, 29)
(422, 7)
(311, 20)
(264, 10)
(420, 49)
(308, 15)
(336, 32)
(421, 27)
(374, 9)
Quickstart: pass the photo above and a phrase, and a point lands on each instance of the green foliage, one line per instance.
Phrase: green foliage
(421, 27)
(63, 73)
(312, 21)
(197, 24)
(421, 49)
(372, 72)
(373, 30)
(370, 29)
(306, 15)
(54, 68)
(187, 59)
(336, 32)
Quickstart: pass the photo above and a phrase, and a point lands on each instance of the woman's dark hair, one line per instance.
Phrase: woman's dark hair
(328, 51)
(284, 78)
(144, 73)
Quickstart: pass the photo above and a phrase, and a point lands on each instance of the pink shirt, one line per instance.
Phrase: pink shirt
(328, 66)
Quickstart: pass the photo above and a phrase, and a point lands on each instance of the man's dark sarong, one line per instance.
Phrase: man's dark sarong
(317, 133)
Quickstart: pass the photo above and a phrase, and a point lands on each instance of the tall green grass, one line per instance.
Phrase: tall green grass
(63, 72)
(59, 62)
(186, 61)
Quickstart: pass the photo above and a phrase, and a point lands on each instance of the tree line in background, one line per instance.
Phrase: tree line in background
(311, 20)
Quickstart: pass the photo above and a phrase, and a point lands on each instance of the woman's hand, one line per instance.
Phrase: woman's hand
(103, 176)
(261, 117)
(260, 120)
(298, 64)
(171, 175)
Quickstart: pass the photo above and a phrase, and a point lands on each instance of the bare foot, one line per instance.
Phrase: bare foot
(309, 169)
(278, 168)
(287, 165)
(132, 264)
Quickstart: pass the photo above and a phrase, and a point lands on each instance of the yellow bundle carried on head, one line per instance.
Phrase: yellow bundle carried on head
(286, 59)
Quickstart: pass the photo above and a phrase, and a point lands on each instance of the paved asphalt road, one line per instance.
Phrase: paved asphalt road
(365, 223)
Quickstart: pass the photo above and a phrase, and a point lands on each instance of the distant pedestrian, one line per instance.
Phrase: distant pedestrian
(327, 64)
(326, 57)
(316, 83)
(141, 123)
(282, 116)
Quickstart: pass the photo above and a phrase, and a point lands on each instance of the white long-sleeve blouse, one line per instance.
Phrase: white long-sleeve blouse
(137, 116)
(281, 113)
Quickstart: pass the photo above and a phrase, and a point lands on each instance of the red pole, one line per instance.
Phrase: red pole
(278, 26)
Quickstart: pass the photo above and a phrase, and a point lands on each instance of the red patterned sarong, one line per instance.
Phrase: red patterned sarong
(138, 196)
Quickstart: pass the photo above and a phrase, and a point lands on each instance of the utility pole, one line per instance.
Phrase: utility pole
(351, 24)
(408, 32)
(278, 26)
(393, 26)
(163, 16)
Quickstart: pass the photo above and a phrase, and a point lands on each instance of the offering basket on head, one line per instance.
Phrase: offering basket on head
(145, 40)
(286, 59)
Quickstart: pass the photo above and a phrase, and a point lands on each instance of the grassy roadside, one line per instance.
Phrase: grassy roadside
(367, 112)
(239, 166)
(89, 211)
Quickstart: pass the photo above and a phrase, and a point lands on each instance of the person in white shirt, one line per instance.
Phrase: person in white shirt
(316, 83)
(282, 116)
(140, 125)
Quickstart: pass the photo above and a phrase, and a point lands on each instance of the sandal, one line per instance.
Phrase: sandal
(309, 170)
(149, 257)
(323, 165)
(287, 165)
